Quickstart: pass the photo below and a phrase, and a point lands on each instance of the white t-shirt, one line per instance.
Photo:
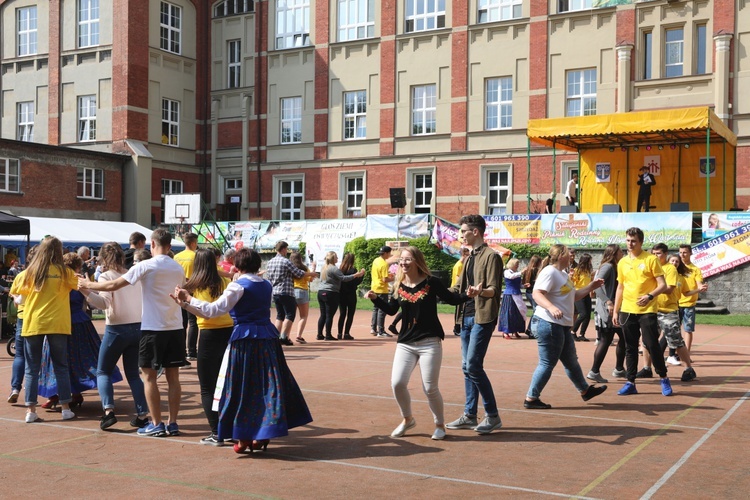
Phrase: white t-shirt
(158, 277)
(123, 306)
(572, 189)
(560, 291)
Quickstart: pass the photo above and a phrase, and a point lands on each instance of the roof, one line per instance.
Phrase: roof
(10, 224)
(666, 126)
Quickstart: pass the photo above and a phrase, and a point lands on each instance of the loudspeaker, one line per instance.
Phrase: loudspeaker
(611, 209)
(568, 209)
(679, 207)
(398, 197)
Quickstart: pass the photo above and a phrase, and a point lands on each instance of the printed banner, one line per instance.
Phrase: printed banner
(397, 226)
(212, 233)
(323, 236)
(711, 167)
(717, 223)
(654, 164)
(512, 228)
(445, 236)
(243, 234)
(723, 252)
(598, 230)
(271, 232)
(603, 172)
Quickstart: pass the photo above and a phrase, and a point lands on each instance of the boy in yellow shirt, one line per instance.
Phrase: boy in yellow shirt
(694, 280)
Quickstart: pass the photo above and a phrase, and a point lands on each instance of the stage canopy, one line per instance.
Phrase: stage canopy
(673, 143)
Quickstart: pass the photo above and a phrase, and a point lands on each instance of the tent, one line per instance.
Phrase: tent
(678, 145)
(12, 225)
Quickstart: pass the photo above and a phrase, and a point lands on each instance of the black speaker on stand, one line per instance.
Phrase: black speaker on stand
(398, 201)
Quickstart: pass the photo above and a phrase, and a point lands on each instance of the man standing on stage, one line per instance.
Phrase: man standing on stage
(645, 181)
(571, 191)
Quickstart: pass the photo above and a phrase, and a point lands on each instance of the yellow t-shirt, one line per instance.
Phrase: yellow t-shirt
(638, 277)
(456, 272)
(223, 321)
(302, 283)
(580, 280)
(694, 277)
(378, 273)
(14, 291)
(668, 302)
(186, 259)
(48, 310)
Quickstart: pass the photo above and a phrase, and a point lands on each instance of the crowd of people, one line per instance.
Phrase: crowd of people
(164, 311)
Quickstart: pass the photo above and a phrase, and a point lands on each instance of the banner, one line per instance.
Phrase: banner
(272, 232)
(212, 233)
(512, 228)
(243, 234)
(717, 223)
(599, 230)
(323, 236)
(445, 236)
(723, 252)
(392, 226)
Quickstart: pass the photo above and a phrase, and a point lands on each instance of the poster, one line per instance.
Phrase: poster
(271, 232)
(323, 236)
(408, 226)
(243, 234)
(717, 223)
(522, 228)
(445, 236)
(723, 252)
(711, 166)
(603, 172)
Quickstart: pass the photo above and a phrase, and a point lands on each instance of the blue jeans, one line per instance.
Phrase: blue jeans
(58, 350)
(555, 343)
(475, 338)
(19, 362)
(120, 340)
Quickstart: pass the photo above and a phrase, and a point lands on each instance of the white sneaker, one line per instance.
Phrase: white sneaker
(439, 434)
(402, 428)
(596, 377)
(31, 417)
(68, 414)
(488, 425)
(672, 360)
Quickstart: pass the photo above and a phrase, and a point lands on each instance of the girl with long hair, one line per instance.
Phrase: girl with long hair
(19, 363)
(329, 290)
(302, 293)
(46, 286)
(581, 277)
(420, 339)
(348, 298)
(512, 308)
(528, 278)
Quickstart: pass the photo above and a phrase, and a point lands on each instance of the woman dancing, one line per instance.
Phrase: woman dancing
(348, 298)
(528, 278)
(512, 308)
(581, 277)
(302, 293)
(331, 278)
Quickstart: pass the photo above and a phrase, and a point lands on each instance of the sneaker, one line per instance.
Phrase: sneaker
(666, 387)
(597, 377)
(212, 440)
(373, 333)
(153, 430)
(583, 339)
(173, 429)
(536, 404)
(463, 422)
(393, 330)
(645, 372)
(192, 358)
(672, 360)
(68, 414)
(286, 341)
(403, 427)
(139, 422)
(627, 389)
(593, 391)
(439, 434)
(13, 398)
(597, 342)
(383, 335)
(187, 364)
(688, 375)
(31, 417)
(107, 420)
(619, 373)
(488, 424)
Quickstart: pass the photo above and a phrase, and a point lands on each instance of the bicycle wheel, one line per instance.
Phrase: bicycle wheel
(11, 347)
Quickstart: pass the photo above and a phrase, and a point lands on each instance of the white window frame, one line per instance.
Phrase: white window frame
(280, 212)
(676, 49)
(233, 184)
(490, 11)
(170, 122)
(573, 5)
(356, 19)
(415, 192)
(233, 7)
(25, 119)
(290, 113)
(424, 15)
(88, 184)
(26, 28)
(234, 64)
(292, 24)
(10, 168)
(86, 118)
(354, 190)
(169, 186)
(486, 188)
(170, 28)
(580, 91)
(88, 23)
(424, 109)
(498, 103)
(355, 115)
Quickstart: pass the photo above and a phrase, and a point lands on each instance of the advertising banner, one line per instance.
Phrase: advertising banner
(445, 236)
(723, 252)
(271, 232)
(393, 226)
(717, 223)
(599, 230)
(212, 233)
(522, 228)
(243, 234)
(323, 236)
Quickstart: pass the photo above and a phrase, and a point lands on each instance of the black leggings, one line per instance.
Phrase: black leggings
(583, 315)
(637, 327)
(211, 347)
(329, 303)
(347, 308)
(606, 337)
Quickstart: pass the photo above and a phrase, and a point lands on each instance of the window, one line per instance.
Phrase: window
(25, 121)
(499, 112)
(647, 56)
(581, 93)
(86, 118)
(88, 23)
(26, 31)
(355, 115)
(498, 10)
(700, 47)
(91, 183)
(356, 19)
(10, 175)
(291, 120)
(423, 15)
(232, 7)
(571, 5)
(673, 52)
(169, 186)
(290, 199)
(292, 23)
(170, 122)
(234, 64)
(231, 184)
(171, 27)
(423, 109)
(497, 192)
(355, 195)
(423, 193)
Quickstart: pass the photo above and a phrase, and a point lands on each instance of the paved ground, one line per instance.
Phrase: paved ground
(692, 445)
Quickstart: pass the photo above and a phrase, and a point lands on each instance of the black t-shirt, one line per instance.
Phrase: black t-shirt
(469, 309)
(129, 255)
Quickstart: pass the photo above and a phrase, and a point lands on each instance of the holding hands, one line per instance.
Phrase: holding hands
(475, 290)
(181, 296)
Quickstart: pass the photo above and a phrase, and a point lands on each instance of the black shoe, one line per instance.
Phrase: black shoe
(583, 339)
(393, 330)
(107, 420)
(286, 341)
(139, 422)
(535, 405)
(348, 337)
(593, 391)
(688, 375)
(186, 364)
(330, 337)
(576, 338)
(645, 372)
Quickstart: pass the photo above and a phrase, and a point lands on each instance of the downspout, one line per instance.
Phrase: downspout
(708, 162)
(528, 175)
(206, 104)
(258, 101)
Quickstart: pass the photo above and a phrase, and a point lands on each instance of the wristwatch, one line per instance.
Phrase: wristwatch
(650, 297)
